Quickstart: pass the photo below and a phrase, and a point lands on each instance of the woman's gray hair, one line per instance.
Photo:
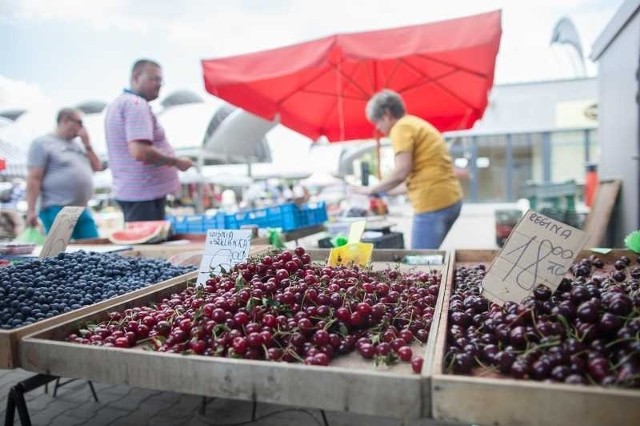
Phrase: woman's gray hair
(385, 101)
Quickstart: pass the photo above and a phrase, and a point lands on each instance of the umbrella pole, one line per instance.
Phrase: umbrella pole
(200, 185)
(378, 172)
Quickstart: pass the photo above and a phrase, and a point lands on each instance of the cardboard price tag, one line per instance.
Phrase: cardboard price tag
(223, 248)
(539, 250)
(61, 230)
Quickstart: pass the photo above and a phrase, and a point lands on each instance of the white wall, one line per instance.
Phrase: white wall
(619, 110)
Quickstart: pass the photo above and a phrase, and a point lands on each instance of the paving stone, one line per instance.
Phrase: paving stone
(65, 420)
(117, 390)
(107, 416)
(10, 377)
(163, 398)
(136, 418)
(50, 412)
(153, 406)
(220, 410)
(107, 398)
(134, 399)
(85, 410)
(36, 393)
(184, 407)
(167, 421)
(39, 403)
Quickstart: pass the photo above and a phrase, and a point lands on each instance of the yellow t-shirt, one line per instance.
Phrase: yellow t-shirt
(432, 184)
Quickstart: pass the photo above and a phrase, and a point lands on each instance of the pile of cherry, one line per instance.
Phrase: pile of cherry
(283, 307)
(586, 332)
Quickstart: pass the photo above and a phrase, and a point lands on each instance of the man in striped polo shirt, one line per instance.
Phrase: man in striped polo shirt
(143, 164)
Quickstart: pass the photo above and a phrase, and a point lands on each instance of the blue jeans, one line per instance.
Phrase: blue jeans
(85, 226)
(430, 229)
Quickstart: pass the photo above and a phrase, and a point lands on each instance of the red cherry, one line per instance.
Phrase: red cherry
(121, 342)
(405, 353)
(416, 364)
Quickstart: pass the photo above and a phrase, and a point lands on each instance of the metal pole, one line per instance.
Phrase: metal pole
(508, 166)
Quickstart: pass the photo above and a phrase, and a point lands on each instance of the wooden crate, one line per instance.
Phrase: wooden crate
(10, 339)
(350, 383)
(506, 401)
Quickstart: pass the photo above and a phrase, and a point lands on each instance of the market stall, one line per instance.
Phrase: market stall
(350, 383)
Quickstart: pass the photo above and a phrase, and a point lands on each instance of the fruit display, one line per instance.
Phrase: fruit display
(284, 307)
(40, 288)
(540, 361)
(586, 332)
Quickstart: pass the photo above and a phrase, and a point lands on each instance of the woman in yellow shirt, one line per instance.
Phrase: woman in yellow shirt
(422, 165)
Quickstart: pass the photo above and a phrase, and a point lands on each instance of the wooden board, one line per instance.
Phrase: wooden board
(348, 384)
(506, 401)
(10, 339)
(597, 220)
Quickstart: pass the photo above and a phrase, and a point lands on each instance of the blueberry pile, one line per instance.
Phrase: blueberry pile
(42, 288)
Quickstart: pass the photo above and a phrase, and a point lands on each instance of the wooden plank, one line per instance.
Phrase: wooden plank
(350, 383)
(10, 339)
(512, 402)
(506, 401)
(597, 220)
(329, 388)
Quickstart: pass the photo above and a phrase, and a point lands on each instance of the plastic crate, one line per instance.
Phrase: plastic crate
(191, 224)
(312, 214)
(287, 216)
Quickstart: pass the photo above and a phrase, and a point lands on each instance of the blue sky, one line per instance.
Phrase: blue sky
(66, 51)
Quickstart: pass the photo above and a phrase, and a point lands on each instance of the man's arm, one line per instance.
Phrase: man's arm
(34, 185)
(96, 164)
(142, 150)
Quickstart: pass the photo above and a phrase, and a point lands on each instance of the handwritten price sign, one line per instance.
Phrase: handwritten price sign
(223, 249)
(540, 250)
(61, 230)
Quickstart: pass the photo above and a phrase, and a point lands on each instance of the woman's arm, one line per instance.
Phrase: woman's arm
(397, 177)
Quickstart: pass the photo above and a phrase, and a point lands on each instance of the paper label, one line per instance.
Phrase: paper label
(223, 248)
(60, 233)
(355, 231)
(539, 250)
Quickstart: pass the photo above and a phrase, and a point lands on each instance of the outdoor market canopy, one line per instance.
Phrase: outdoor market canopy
(443, 70)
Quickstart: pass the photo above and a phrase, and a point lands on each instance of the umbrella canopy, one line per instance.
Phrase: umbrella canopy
(443, 70)
(181, 97)
(91, 107)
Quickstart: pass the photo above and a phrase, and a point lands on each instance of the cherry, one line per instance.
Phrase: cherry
(121, 342)
(416, 364)
(405, 353)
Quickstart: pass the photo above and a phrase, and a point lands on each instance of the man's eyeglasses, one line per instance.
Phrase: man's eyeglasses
(75, 120)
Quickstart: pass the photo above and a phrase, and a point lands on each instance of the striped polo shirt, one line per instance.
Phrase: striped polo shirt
(129, 117)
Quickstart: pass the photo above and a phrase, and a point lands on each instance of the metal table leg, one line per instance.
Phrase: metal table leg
(15, 399)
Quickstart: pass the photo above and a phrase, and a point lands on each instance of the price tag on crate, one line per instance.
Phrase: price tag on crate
(223, 248)
(539, 250)
(61, 231)
(355, 251)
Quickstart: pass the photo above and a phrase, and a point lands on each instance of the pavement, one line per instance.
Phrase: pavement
(124, 405)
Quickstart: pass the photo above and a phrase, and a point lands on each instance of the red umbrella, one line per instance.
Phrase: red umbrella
(443, 70)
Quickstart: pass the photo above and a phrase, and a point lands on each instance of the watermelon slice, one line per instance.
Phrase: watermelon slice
(145, 232)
